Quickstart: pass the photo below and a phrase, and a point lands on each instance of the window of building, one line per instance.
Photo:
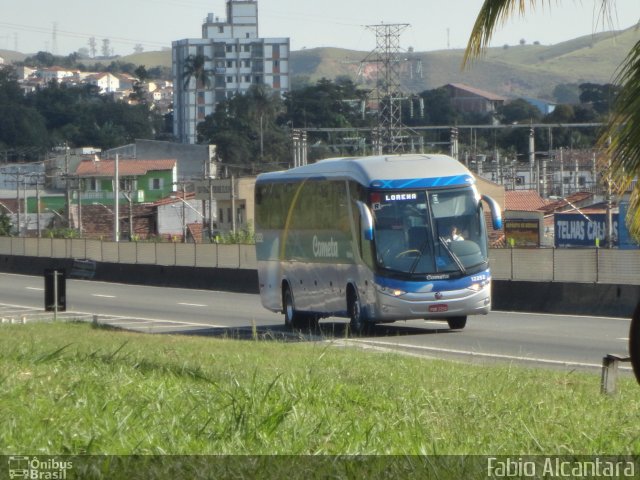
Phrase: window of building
(246, 48)
(247, 78)
(155, 184)
(229, 79)
(229, 48)
(258, 79)
(221, 29)
(221, 216)
(247, 63)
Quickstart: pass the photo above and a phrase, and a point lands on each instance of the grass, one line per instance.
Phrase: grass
(73, 389)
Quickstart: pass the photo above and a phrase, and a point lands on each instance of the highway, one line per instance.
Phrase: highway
(557, 341)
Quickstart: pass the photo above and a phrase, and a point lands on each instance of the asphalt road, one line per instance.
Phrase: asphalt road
(564, 341)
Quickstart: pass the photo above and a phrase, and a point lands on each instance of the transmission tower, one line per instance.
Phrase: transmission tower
(54, 39)
(389, 96)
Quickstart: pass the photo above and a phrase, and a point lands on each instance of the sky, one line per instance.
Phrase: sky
(29, 25)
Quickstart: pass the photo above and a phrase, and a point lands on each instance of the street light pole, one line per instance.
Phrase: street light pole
(184, 214)
(116, 202)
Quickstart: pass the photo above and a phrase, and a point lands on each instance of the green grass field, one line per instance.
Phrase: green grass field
(170, 406)
(74, 389)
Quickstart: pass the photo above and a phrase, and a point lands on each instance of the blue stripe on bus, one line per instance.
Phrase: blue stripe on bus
(417, 286)
(423, 182)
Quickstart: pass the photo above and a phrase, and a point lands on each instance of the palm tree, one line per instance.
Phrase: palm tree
(264, 107)
(195, 68)
(621, 137)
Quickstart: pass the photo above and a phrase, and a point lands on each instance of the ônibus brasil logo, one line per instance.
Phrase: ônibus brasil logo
(36, 469)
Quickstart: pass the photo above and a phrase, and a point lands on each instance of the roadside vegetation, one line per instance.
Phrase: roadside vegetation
(74, 389)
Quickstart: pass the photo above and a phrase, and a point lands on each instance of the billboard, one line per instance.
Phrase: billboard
(577, 230)
(624, 237)
(522, 232)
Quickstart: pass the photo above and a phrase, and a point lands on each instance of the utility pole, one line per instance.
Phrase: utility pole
(233, 204)
(38, 206)
(184, 213)
(67, 184)
(116, 201)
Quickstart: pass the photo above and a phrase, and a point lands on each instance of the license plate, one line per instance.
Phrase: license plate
(438, 308)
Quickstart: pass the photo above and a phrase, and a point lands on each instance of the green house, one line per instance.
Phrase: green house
(140, 180)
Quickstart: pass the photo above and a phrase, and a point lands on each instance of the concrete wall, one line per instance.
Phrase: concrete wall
(542, 297)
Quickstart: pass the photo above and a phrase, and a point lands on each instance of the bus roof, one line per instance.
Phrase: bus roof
(383, 171)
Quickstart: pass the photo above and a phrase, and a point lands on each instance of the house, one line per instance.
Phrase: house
(55, 73)
(178, 216)
(106, 82)
(473, 100)
(193, 160)
(140, 180)
(545, 107)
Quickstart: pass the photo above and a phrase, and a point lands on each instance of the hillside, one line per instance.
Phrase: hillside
(512, 71)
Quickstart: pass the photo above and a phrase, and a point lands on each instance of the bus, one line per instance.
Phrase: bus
(374, 239)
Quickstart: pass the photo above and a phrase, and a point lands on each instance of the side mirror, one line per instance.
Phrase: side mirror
(366, 221)
(496, 214)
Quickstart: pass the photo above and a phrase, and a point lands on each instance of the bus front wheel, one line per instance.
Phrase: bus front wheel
(457, 323)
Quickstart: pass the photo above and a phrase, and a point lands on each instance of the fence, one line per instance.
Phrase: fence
(169, 254)
(584, 265)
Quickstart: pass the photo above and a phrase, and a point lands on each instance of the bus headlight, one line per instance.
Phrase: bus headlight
(476, 287)
(393, 292)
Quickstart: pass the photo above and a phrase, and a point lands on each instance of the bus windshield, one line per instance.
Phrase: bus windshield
(429, 232)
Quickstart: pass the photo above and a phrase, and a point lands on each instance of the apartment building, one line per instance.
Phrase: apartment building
(235, 58)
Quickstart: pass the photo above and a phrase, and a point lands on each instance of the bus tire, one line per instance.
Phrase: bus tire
(292, 318)
(357, 321)
(288, 308)
(457, 323)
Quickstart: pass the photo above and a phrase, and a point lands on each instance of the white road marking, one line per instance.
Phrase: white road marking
(102, 296)
(192, 304)
(392, 346)
(39, 289)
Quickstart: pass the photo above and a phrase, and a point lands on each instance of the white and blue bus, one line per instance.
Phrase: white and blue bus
(374, 239)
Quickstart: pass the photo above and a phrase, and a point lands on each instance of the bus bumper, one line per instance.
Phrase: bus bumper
(437, 305)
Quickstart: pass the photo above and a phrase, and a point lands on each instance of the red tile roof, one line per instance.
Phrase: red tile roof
(106, 168)
(477, 91)
(523, 200)
(195, 230)
(574, 198)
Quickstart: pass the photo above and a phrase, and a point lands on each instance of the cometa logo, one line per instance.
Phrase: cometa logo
(325, 249)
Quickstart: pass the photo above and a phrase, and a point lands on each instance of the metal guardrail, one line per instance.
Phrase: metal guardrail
(584, 265)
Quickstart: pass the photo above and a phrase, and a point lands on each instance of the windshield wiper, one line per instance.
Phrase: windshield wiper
(455, 258)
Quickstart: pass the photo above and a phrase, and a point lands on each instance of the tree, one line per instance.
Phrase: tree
(519, 111)
(195, 68)
(247, 129)
(621, 137)
(5, 224)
